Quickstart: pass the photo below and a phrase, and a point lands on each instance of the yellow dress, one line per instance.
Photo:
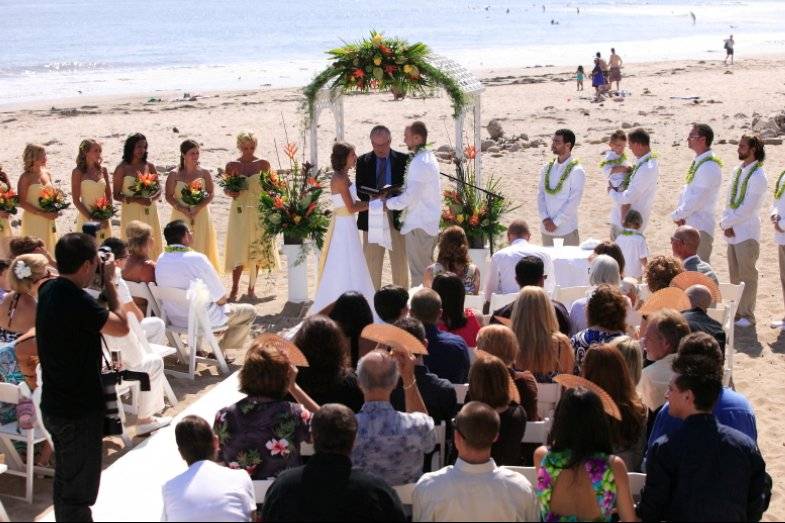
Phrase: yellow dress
(38, 226)
(203, 230)
(5, 225)
(142, 213)
(247, 243)
(93, 191)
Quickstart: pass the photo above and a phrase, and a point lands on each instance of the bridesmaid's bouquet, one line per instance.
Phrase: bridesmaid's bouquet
(194, 193)
(9, 200)
(233, 182)
(103, 210)
(53, 200)
(146, 185)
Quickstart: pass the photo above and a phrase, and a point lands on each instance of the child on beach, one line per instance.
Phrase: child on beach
(614, 162)
(633, 245)
(579, 76)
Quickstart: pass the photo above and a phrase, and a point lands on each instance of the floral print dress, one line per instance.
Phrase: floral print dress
(261, 436)
(602, 479)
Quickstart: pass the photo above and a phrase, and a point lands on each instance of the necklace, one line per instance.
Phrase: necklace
(176, 248)
(567, 170)
(618, 161)
(779, 189)
(694, 167)
(629, 176)
(735, 202)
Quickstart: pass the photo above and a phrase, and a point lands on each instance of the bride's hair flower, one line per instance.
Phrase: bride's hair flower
(22, 270)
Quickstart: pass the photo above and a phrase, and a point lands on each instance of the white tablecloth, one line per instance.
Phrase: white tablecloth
(571, 265)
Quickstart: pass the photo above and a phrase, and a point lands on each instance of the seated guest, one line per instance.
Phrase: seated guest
(611, 249)
(606, 314)
(391, 444)
(352, 313)
(664, 332)
(632, 353)
(328, 488)
(391, 303)
(448, 354)
(261, 433)
(501, 342)
(180, 266)
(605, 367)
(732, 408)
(206, 491)
(475, 488)
(544, 351)
(139, 267)
(456, 319)
(503, 270)
(684, 244)
(578, 477)
(629, 289)
(660, 272)
(530, 271)
(489, 382)
(329, 377)
(700, 301)
(603, 270)
(703, 471)
(30, 245)
(438, 394)
(454, 257)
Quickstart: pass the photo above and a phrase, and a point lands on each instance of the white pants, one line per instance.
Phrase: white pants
(152, 401)
(154, 330)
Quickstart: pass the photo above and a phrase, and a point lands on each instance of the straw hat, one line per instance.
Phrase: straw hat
(296, 357)
(668, 298)
(393, 336)
(685, 280)
(573, 382)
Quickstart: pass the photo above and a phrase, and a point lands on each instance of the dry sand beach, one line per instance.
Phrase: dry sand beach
(534, 101)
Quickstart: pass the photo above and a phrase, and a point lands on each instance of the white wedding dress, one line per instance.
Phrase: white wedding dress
(345, 268)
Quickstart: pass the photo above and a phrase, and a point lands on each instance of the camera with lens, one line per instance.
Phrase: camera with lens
(104, 255)
(110, 379)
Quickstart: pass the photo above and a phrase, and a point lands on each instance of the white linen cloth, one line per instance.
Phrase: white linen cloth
(422, 196)
(466, 492)
(745, 220)
(640, 194)
(501, 272)
(178, 270)
(379, 225)
(778, 209)
(570, 266)
(209, 492)
(562, 208)
(654, 382)
(698, 199)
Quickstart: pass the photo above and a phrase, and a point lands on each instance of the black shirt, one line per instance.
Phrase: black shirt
(699, 321)
(68, 328)
(438, 395)
(343, 390)
(329, 489)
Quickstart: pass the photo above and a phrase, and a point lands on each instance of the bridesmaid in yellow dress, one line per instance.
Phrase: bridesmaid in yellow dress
(90, 183)
(247, 246)
(35, 221)
(5, 224)
(136, 208)
(197, 217)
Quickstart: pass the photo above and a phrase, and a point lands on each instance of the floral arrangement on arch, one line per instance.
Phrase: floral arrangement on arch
(290, 201)
(476, 212)
(379, 64)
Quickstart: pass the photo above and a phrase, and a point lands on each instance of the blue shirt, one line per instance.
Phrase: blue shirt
(732, 410)
(388, 173)
(448, 355)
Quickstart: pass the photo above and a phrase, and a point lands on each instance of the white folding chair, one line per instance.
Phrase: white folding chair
(11, 432)
(151, 348)
(3, 514)
(548, 395)
(569, 295)
(306, 449)
(142, 291)
(529, 473)
(441, 446)
(474, 301)
(405, 492)
(260, 488)
(637, 481)
(731, 296)
(502, 300)
(198, 328)
(537, 431)
(643, 292)
(722, 315)
(460, 391)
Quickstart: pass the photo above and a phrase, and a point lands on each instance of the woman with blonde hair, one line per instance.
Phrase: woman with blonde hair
(89, 185)
(139, 268)
(34, 180)
(630, 350)
(247, 244)
(544, 351)
(454, 257)
(499, 341)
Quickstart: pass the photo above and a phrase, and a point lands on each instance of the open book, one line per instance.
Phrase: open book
(389, 190)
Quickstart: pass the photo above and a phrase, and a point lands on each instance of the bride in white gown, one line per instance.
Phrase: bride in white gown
(342, 267)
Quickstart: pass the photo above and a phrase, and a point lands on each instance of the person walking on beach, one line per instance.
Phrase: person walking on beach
(699, 195)
(560, 192)
(729, 43)
(615, 69)
(579, 76)
(603, 67)
(597, 78)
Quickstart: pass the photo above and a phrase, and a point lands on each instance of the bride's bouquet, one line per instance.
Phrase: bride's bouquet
(290, 201)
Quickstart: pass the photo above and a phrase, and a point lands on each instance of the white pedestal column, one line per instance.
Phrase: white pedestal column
(297, 272)
(480, 257)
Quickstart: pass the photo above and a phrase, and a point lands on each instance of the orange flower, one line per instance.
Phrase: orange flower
(312, 182)
(470, 152)
(8, 194)
(278, 202)
(48, 193)
(102, 203)
(311, 209)
(290, 150)
(196, 186)
(384, 49)
(358, 73)
(474, 221)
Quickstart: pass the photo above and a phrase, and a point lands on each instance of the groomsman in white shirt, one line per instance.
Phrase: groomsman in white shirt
(560, 192)
(777, 220)
(699, 195)
(421, 202)
(741, 223)
(639, 187)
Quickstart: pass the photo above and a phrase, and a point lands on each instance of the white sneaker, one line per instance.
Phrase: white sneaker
(777, 324)
(743, 323)
(157, 423)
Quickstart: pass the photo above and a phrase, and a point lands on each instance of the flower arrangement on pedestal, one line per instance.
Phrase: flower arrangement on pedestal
(477, 212)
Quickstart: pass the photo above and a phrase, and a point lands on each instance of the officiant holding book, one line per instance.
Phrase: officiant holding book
(382, 170)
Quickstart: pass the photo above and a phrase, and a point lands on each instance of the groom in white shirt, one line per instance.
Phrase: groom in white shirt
(421, 202)
(561, 189)
(639, 187)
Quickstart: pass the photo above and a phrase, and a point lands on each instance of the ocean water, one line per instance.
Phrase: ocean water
(65, 48)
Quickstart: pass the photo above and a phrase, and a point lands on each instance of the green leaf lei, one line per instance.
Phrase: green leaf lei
(779, 189)
(567, 170)
(630, 233)
(176, 248)
(734, 202)
(694, 167)
(618, 161)
(630, 175)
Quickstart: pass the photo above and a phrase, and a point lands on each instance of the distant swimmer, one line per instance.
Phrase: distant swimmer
(543, 8)
(579, 10)
(508, 10)
(693, 17)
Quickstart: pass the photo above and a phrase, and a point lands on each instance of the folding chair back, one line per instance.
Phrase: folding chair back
(260, 488)
(474, 301)
(502, 300)
(405, 492)
(569, 295)
(548, 395)
(9, 393)
(460, 391)
(159, 350)
(637, 481)
(142, 291)
(529, 473)
(537, 432)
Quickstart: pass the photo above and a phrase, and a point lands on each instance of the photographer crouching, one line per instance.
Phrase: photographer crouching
(69, 326)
